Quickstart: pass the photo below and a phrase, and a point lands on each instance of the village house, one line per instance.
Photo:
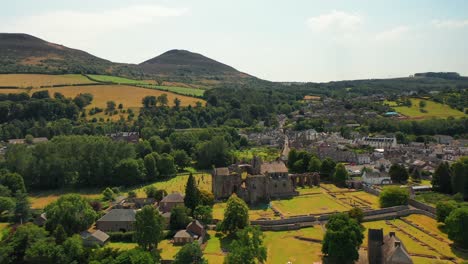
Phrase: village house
(378, 142)
(129, 137)
(19, 141)
(40, 220)
(170, 201)
(375, 177)
(135, 203)
(94, 238)
(386, 249)
(117, 220)
(195, 231)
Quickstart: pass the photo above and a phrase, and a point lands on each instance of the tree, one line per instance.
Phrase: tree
(460, 177)
(13, 181)
(110, 106)
(108, 194)
(136, 256)
(213, 153)
(192, 194)
(14, 247)
(181, 158)
(393, 196)
(398, 173)
(179, 217)
(248, 248)
(23, 207)
(149, 101)
(357, 214)
(166, 165)
(41, 94)
(28, 139)
(177, 103)
(444, 208)
(206, 198)
(148, 228)
(327, 168)
(314, 164)
(190, 254)
(422, 104)
(416, 175)
(441, 181)
(342, 240)
(59, 234)
(204, 214)
(236, 215)
(71, 211)
(162, 100)
(132, 194)
(7, 204)
(152, 192)
(129, 171)
(341, 175)
(456, 226)
(150, 165)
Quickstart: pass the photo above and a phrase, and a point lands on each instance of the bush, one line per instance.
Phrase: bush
(121, 236)
(393, 196)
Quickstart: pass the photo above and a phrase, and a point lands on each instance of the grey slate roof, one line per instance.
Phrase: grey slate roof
(174, 198)
(117, 215)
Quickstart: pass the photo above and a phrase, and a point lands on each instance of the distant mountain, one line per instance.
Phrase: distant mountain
(22, 53)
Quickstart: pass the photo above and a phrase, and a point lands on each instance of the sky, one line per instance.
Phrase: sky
(277, 40)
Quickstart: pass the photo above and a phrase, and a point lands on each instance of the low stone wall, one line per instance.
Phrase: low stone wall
(422, 206)
(371, 190)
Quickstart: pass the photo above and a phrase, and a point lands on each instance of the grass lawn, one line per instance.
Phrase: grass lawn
(177, 184)
(4, 229)
(362, 199)
(255, 212)
(122, 245)
(433, 110)
(38, 80)
(39, 200)
(309, 204)
(266, 153)
(333, 188)
(309, 190)
(168, 250)
(213, 252)
(283, 247)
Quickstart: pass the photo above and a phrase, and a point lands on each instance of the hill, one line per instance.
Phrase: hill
(22, 53)
(178, 64)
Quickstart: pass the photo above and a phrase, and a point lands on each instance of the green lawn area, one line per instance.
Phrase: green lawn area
(122, 245)
(283, 247)
(213, 252)
(309, 204)
(255, 212)
(115, 79)
(309, 190)
(434, 109)
(361, 199)
(177, 184)
(4, 229)
(168, 250)
(266, 153)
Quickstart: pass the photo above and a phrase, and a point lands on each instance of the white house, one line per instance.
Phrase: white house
(375, 177)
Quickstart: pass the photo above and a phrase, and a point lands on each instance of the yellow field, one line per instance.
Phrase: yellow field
(8, 91)
(38, 80)
(433, 109)
(129, 96)
(41, 200)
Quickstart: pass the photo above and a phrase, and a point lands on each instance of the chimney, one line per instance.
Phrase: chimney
(391, 234)
(397, 244)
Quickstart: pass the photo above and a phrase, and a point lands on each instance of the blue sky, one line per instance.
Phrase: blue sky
(303, 40)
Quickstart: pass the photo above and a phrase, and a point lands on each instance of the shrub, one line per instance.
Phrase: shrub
(393, 196)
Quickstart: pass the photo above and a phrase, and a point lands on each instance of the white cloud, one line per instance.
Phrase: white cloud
(70, 20)
(335, 21)
(450, 24)
(392, 34)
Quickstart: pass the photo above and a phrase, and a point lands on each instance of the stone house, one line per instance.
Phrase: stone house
(386, 249)
(375, 177)
(95, 238)
(40, 220)
(195, 231)
(170, 201)
(135, 203)
(117, 220)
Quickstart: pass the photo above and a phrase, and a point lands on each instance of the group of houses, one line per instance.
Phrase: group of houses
(122, 217)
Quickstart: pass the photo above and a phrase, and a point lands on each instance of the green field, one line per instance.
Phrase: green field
(309, 204)
(434, 110)
(177, 184)
(265, 153)
(146, 84)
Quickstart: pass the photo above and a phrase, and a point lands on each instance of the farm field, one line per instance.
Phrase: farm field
(177, 184)
(129, 96)
(309, 204)
(38, 80)
(434, 110)
(423, 242)
(42, 199)
(148, 84)
(8, 91)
